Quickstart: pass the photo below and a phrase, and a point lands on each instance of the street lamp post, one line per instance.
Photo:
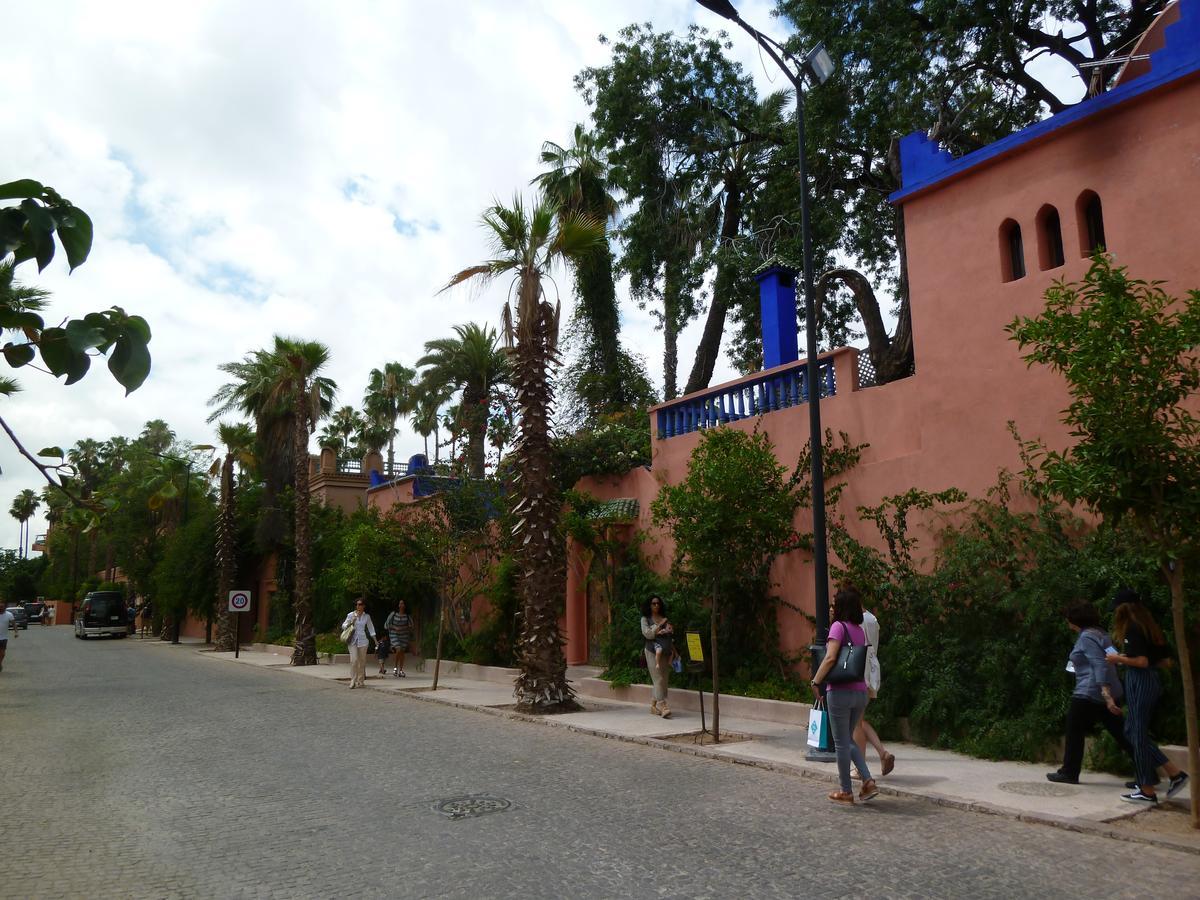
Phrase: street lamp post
(819, 66)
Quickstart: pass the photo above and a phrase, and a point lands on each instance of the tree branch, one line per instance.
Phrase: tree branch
(45, 470)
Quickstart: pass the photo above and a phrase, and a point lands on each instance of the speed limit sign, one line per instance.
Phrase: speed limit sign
(239, 601)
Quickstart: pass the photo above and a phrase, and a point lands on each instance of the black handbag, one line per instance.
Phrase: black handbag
(851, 663)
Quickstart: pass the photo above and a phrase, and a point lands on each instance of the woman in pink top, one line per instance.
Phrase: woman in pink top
(847, 701)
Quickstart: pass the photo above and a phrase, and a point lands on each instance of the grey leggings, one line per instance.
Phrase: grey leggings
(659, 675)
(846, 710)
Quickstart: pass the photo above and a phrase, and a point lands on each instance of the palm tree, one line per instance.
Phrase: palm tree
(389, 395)
(282, 390)
(527, 243)
(425, 412)
(344, 422)
(472, 363)
(24, 505)
(331, 438)
(576, 178)
(238, 441)
(156, 436)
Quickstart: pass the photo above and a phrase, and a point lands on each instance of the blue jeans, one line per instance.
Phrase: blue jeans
(846, 710)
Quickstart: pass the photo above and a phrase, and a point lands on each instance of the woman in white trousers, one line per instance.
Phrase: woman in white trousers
(357, 642)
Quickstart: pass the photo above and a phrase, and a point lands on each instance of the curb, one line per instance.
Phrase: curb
(1079, 826)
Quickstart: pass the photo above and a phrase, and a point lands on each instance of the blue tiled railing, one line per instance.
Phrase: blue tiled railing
(769, 392)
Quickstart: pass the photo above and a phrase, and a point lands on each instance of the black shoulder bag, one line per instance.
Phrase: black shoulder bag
(851, 663)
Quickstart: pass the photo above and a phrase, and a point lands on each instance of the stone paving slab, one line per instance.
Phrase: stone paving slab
(1012, 789)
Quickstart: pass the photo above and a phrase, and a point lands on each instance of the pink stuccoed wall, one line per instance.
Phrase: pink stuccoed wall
(947, 425)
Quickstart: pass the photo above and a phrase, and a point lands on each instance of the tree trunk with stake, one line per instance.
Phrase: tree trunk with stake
(437, 657)
(716, 686)
(1173, 571)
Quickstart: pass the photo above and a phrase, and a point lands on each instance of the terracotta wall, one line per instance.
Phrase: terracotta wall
(947, 425)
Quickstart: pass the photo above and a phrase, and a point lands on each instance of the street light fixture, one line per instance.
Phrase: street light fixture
(817, 65)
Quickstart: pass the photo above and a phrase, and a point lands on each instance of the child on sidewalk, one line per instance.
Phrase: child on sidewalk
(664, 643)
(383, 649)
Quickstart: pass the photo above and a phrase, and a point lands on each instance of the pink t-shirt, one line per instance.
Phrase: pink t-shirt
(858, 638)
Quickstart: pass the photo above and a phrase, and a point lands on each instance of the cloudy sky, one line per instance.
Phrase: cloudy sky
(303, 168)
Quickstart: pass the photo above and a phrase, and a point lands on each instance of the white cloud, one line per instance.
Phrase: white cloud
(303, 168)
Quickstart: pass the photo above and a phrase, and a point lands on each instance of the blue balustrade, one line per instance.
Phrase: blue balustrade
(770, 392)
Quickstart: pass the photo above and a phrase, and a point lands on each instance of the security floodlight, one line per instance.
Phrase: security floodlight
(819, 64)
(722, 8)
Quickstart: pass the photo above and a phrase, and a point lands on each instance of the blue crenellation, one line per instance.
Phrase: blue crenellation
(923, 163)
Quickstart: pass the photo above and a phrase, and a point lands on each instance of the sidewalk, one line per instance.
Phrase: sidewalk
(1016, 790)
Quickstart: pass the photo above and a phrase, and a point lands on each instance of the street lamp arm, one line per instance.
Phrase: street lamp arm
(776, 51)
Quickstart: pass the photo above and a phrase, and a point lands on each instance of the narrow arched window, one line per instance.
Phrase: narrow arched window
(1090, 215)
(1050, 242)
(1012, 251)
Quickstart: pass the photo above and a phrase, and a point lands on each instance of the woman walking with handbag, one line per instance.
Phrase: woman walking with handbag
(654, 627)
(355, 629)
(843, 675)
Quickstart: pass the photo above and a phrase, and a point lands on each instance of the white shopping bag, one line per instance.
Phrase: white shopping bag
(818, 725)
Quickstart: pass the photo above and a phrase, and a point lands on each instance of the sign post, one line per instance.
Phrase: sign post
(239, 602)
(696, 664)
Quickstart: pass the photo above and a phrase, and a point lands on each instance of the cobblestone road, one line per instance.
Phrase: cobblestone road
(156, 772)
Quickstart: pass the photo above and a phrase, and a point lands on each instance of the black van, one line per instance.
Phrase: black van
(102, 612)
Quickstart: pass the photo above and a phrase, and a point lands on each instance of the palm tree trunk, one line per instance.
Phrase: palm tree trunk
(391, 464)
(304, 652)
(226, 526)
(542, 684)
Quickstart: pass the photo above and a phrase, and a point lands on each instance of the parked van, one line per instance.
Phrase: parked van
(102, 612)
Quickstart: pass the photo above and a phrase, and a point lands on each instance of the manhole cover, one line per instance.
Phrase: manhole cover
(471, 806)
(1036, 789)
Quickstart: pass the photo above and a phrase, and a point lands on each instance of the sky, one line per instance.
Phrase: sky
(309, 169)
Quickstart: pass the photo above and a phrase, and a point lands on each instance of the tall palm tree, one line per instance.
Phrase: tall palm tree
(472, 363)
(282, 390)
(389, 395)
(527, 243)
(238, 441)
(156, 436)
(24, 505)
(576, 178)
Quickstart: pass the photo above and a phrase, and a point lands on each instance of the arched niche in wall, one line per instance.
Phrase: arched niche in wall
(1050, 242)
(1089, 213)
(1012, 251)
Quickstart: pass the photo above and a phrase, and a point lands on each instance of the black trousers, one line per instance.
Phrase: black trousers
(1082, 718)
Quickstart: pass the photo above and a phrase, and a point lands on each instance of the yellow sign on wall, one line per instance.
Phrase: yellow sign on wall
(695, 650)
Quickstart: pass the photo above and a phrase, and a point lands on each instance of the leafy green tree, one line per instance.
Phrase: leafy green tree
(662, 111)
(28, 231)
(284, 392)
(1127, 350)
(390, 394)
(473, 363)
(238, 441)
(528, 242)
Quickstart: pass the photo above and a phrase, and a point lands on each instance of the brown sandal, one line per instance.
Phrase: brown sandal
(889, 763)
(869, 791)
(842, 797)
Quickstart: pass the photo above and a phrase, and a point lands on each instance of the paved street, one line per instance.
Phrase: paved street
(152, 771)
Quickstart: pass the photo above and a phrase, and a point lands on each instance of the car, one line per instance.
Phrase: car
(20, 617)
(37, 612)
(101, 613)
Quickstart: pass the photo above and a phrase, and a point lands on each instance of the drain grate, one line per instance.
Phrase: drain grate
(471, 806)
(1035, 789)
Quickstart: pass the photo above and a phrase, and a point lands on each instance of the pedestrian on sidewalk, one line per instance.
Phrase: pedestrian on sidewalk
(864, 734)
(8, 622)
(654, 619)
(845, 701)
(1142, 650)
(1093, 700)
(383, 649)
(360, 625)
(147, 618)
(399, 626)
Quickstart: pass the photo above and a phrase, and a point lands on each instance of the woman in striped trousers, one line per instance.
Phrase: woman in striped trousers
(1142, 648)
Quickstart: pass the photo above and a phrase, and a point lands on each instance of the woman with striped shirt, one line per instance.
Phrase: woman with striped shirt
(399, 626)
